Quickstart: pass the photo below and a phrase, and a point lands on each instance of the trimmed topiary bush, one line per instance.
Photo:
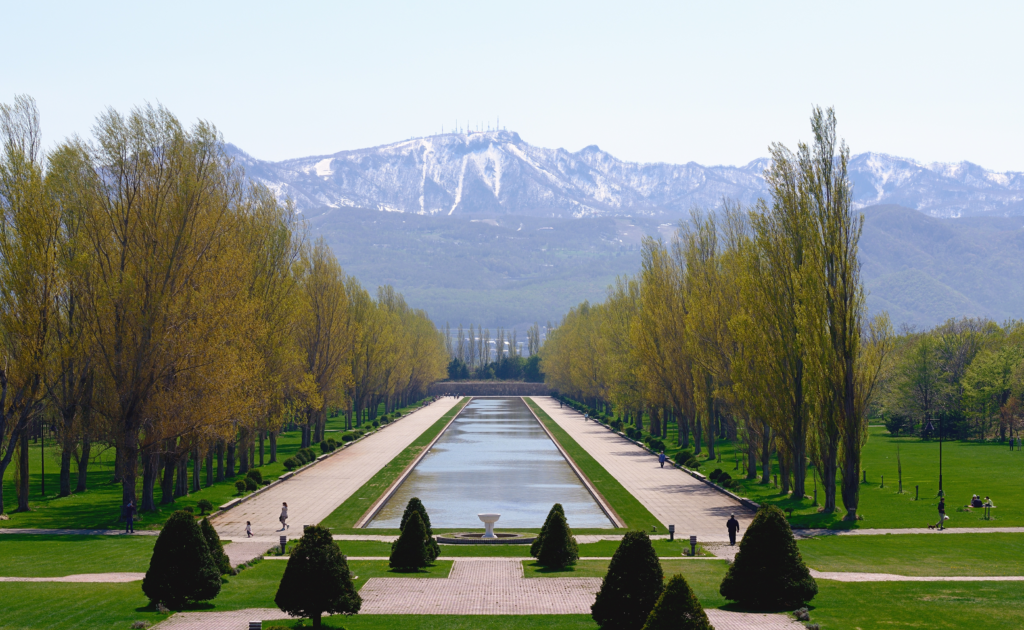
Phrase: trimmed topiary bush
(317, 579)
(678, 609)
(182, 570)
(558, 548)
(291, 463)
(255, 475)
(714, 474)
(250, 484)
(216, 547)
(768, 572)
(724, 478)
(240, 486)
(693, 463)
(415, 505)
(204, 506)
(682, 457)
(631, 432)
(728, 483)
(409, 552)
(333, 443)
(631, 587)
(536, 544)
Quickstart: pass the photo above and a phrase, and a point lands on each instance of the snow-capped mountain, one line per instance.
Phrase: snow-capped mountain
(496, 172)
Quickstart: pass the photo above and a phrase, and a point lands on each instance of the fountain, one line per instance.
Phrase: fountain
(489, 521)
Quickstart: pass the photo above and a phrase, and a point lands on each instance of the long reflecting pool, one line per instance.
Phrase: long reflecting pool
(494, 457)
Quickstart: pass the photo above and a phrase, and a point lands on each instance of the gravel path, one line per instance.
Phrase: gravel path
(670, 494)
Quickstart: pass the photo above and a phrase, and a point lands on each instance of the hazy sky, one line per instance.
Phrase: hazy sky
(710, 82)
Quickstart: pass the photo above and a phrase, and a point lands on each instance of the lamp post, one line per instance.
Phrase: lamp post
(931, 427)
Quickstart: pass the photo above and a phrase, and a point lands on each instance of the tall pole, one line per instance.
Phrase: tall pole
(940, 457)
(42, 459)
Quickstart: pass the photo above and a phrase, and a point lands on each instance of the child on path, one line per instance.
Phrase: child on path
(661, 459)
(284, 517)
(248, 529)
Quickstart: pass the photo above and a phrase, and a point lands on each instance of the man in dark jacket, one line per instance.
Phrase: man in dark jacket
(129, 513)
(734, 527)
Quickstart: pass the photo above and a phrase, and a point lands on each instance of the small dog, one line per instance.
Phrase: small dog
(931, 527)
(789, 512)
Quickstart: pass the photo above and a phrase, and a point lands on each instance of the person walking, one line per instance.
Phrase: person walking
(284, 517)
(129, 514)
(661, 459)
(734, 527)
(942, 513)
(248, 529)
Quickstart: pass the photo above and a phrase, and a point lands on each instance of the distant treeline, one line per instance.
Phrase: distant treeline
(473, 357)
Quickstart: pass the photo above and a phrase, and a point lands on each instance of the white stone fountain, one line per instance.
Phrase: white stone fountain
(489, 521)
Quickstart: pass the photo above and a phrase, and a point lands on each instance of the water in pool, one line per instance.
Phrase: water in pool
(494, 457)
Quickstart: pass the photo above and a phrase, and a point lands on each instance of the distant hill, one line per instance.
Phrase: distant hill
(508, 270)
(498, 173)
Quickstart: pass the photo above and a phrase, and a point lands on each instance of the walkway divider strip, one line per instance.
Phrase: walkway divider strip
(393, 488)
(605, 507)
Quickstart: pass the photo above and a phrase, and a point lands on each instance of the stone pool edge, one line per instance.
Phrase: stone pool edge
(617, 522)
(393, 488)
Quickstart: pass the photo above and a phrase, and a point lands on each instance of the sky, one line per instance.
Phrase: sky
(708, 82)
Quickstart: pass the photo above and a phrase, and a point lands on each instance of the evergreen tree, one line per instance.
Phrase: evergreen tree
(631, 587)
(768, 571)
(409, 552)
(216, 546)
(317, 579)
(559, 547)
(182, 570)
(678, 609)
(415, 505)
(536, 545)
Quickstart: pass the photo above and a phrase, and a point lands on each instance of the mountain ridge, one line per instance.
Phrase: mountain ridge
(497, 172)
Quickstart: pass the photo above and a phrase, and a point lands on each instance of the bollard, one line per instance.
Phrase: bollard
(776, 484)
(916, 490)
(671, 533)
(883, 482)
(284, 543)
(865, 476)
(255, 625)
(693, 546)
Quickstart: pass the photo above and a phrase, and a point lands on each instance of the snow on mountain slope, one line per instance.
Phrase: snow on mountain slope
(496, 172)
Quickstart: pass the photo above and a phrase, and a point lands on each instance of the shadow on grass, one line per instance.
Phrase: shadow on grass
(740, 608)
(539, 568)
(411, 571)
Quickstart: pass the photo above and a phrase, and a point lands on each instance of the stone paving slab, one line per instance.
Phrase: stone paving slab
(670, 494)
(230, 620)
(80, 532)
(108, 578)
(314, 493)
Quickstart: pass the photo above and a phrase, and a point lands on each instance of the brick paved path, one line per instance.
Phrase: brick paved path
(671, 495)
(314, 493)
(109, 578)
(230, 620)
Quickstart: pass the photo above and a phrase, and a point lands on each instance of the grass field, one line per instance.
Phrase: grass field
(343, 519)
(604, 548)
(635, 515)
(38, 555)
(99, 506)
(448, 622)
(969, 468)
(918, 554)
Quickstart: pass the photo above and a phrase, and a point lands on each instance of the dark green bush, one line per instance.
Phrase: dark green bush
(631, 432)
(255, 475)
(682, 457)
(291, 463)
(325, 447)
(693, 463)
(728, 483)
(678, 609)
(348, 437)
(204, 506)
(333, 443)
(617, 425)
(308, 454)
(714, 474)
(188, 508)
(375, 424)
(768, 572)
(250, 484)
(558, 549)
(182, 570)
(416, 506)
(409, 552)
(317, 579)
(723, 478)
(216, 547)
(631, 587)
(656, 444)
(240, 486)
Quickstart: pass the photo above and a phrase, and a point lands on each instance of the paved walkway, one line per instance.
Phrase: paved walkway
(108, 578)
(670, 494)
(314, 493)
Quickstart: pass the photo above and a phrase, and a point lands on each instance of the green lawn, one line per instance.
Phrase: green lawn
(629, 509)
(602, 549)
(31, 555)
(343, 519)
(918, 554)
(968, 468)
(448, 622)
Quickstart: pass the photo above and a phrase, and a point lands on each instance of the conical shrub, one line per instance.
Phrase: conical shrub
(216, 547)
(678, 609)
(768, 572)
(317, 579)
(415, 505)
(181, 570)
(409, 552)
(631, 587)
(536, 544)
(559, 547)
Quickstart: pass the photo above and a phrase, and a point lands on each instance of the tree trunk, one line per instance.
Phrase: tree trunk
(263, 436)
(23, 478)
(65, 471)
(243, 451)
(766, 453)
(273, 447)
(220, 460)
(150, 471)
(751, 454)
(167, 479)
(682, 428)
(783, 460)
(231, 459)
(197, 469)
(209, 466)
(83, 464)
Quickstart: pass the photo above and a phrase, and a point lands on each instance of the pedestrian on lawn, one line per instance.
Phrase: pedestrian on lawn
(942, 513)
(129, 513)
(248, 529)
(284, 517)
(733, 526)
(661, 459)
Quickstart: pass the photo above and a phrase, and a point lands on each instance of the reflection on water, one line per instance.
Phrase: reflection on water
(495, 457)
